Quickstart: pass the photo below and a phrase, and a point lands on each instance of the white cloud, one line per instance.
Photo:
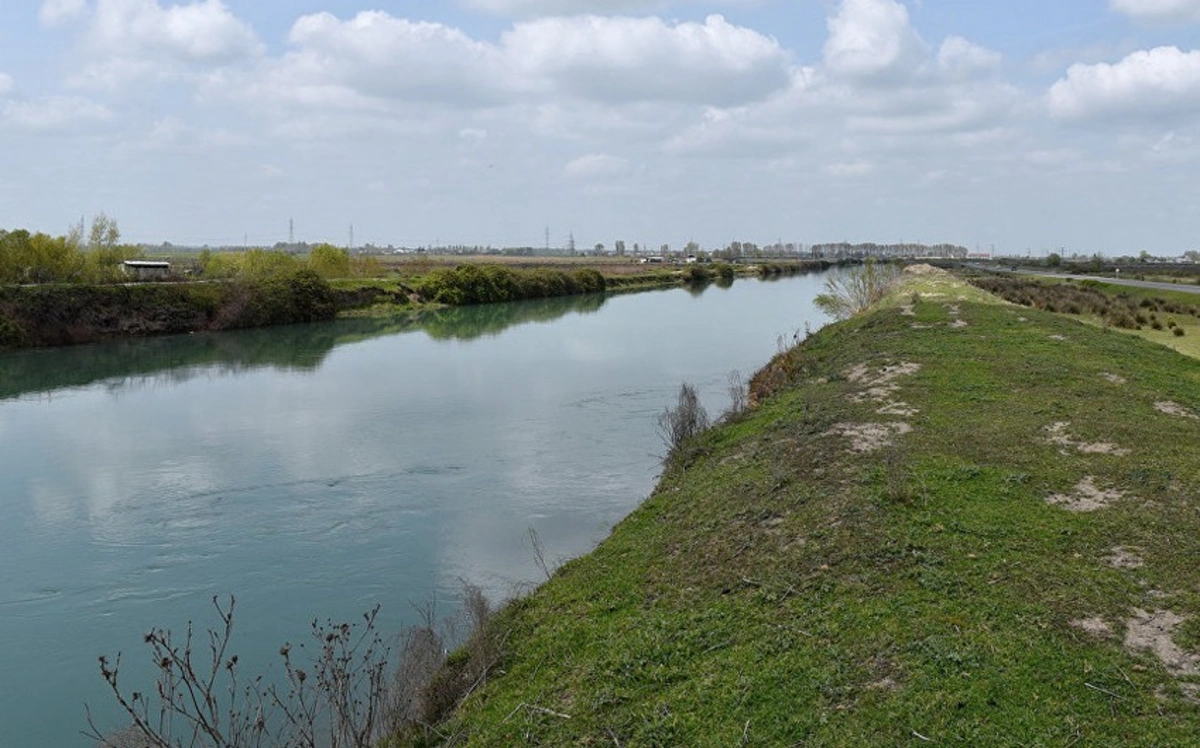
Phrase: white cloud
(55, 12)
(1159, 10)
(1155, 82)
(611, 60)
(564, 7)
(6, 84)
(620, 59)
(53, 114)
(596, 165)
(129, 42)
(872, 40)
(203, 31)
(377, 55)
(958, 57)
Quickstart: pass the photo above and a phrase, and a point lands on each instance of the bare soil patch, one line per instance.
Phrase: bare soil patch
(871, 437)
(1115, 378)
(1057, 434)
(1095, 626)
(1085, 497)
(1154, 632)
(1177, 410)
(1124, 558)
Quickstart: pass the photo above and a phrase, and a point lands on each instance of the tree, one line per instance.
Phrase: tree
(330, 261)
(104, 234)
(1053, 260)
(619, 247)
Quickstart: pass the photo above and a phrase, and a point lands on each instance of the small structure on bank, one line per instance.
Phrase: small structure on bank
(147, 270)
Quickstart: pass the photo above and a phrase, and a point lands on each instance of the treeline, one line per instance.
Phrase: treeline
(488, 284)
(41, 258)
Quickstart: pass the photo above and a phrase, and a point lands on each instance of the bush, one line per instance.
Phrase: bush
(696, 275)
(679, 425)
(1179, 333)
(850, 291)
(489, 284)
(724, 272)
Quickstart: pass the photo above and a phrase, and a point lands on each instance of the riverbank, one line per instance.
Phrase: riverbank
(68, 314)
(946, 520)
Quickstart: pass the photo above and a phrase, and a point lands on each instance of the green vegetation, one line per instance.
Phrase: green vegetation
(40, 258)
(945, 520)
(849, 291)
(488, 284)
(1165, 317)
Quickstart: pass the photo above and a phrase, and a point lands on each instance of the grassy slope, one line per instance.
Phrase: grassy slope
(781, 589)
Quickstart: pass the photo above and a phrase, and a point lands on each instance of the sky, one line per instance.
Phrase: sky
(1023, 126)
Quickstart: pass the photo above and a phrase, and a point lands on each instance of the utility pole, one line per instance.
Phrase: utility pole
(291, 232)
(351, 245)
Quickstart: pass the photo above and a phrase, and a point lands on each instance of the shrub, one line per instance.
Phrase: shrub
(850, 291)
(1179, 333)
(696, 275)
(679, 425)
(724, 272)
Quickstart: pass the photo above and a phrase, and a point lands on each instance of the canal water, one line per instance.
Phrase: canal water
(315, 471)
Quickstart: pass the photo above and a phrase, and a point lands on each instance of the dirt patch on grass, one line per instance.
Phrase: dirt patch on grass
(1124, 558)
(1095, 626)
(1175, 409)
(1059, 338)
(881, 387)
(1154, 632)
(1057, 434)
(1085, 497)
(871, 437)
(1115, 378)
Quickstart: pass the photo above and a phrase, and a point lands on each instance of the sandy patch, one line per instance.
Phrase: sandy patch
(1059, 338)
(960, 323)
(1124, 558)
(1096, 626)
(1085, 497)
(871, 437)
(1057, 434)
(903, 410)
(924, 269)
(1154, 632)
(881, 387)
(1175, 409)
(908, 310)
(1114, 378)
(1022, 319)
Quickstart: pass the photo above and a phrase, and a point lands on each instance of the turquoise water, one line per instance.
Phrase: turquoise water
(315, 471)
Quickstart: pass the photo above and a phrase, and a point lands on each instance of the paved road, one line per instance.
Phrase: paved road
(1156, 285)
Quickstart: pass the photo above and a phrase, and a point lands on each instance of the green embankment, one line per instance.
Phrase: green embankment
(892, 549)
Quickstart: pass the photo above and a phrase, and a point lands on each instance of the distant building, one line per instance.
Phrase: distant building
(147, 270)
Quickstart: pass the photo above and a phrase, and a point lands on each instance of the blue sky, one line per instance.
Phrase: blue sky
(1025, 125)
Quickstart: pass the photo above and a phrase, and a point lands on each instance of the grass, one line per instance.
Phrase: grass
(1169, 318)
(780, 588)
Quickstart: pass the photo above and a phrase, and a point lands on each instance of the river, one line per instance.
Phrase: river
(317, 470)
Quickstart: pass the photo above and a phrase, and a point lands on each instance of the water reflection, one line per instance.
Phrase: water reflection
(133, 364)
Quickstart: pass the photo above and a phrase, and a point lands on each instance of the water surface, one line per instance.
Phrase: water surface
(316, 470)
